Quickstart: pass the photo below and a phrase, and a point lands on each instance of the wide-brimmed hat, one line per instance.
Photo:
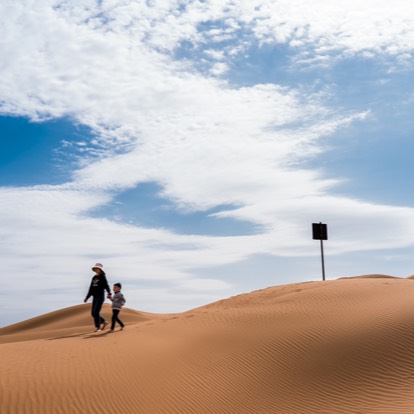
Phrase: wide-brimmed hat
(98, 266)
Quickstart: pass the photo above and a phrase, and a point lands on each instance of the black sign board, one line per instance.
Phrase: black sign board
(319, 231)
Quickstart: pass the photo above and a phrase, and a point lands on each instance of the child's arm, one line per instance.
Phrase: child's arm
(122, 300)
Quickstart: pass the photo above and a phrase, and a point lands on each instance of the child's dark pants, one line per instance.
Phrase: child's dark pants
(115, 313)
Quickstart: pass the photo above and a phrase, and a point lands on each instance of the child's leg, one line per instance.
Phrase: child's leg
(114, 318)
(119, 320)
(115, 313)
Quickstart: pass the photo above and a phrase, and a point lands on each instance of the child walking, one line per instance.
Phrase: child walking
(118, 300)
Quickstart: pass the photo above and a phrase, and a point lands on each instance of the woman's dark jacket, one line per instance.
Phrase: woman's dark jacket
(98, 286)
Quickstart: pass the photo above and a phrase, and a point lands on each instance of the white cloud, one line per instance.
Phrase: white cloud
(110, 65)
(351, 27)
(204, 285)
(219, 68)
(215, 54)
(325, 26)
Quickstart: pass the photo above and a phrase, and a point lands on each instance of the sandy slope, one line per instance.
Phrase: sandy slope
(344, 346)
(74, 320)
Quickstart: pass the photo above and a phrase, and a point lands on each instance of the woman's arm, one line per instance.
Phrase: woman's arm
(105, 284)
(89, 294)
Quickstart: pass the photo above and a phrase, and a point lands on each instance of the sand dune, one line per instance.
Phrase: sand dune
(343, 346)
(63, 322)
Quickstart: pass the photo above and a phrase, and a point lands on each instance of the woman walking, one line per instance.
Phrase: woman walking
(97, 290)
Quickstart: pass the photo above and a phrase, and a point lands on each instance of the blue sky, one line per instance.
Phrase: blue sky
(189, 146)
(33, 153)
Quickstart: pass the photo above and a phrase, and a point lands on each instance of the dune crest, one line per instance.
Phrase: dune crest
(342, 346)
(371, 276)
(64, 322)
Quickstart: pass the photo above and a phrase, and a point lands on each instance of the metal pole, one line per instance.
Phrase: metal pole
(323, 261)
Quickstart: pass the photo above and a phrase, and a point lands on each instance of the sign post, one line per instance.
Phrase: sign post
(320, 232)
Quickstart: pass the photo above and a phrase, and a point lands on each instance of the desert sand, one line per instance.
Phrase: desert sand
(340, 346)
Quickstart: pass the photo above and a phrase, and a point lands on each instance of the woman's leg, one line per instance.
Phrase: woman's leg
(96, 309)
(93, 311)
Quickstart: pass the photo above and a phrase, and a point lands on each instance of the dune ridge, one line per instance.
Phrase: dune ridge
(64, 322)
(342, 346)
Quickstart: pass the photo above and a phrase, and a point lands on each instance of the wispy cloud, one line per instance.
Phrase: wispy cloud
(115, 67)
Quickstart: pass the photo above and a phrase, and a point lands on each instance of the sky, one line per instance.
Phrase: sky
(190, 145)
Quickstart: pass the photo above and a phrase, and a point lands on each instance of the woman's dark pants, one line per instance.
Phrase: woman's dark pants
(97, 303)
